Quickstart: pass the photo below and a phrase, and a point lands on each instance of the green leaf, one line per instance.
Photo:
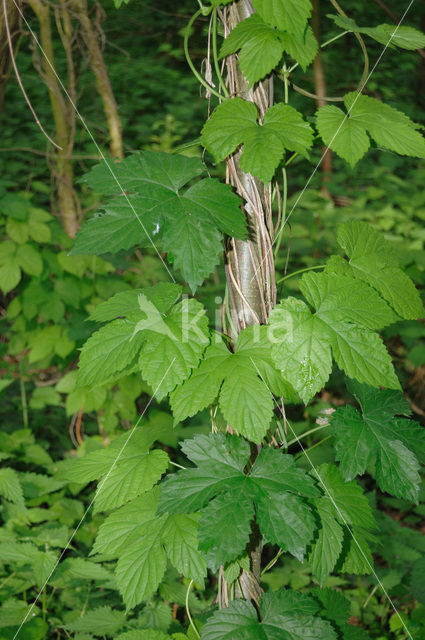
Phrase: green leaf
(345, 498)
(284, 615)
(10, 487)
(286, 15)
(29, 260)
(172, 346)
(328, 546)
(108, 351)
(274, 484)
(251, 36)
(99, 621)
(238, 622)
(166, 341)
(185, 225)
(127, 470)
(346, 134)
(343, 135)
(142, 542)
(303, 343)
(387, 34)
(141, 566)
(303, 48)
(287, 521)
(333, 604)
(121, 526)
(181, 544)
(245, 400)
(342, 504)
(374, 433)
(134, 473)
(225, 527)
(373, 259)
(234, 123)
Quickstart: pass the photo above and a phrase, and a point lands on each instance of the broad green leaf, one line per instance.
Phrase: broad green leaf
(387, 34)
(108, 351)
(342, 505)
(124, 524)
(179, 537)
(10, 487)
(283, 517)
(375, 434)
(303, 48)
(253, 35)
(328, 546)
(333, 604)
(225, 527)
(234, 123)
(347, 133)
(373, 259)
(239, 621)
(127, 469)
(283, 617)
(163, 340)
(142, 565)
(139, 169)
(99, 621)
(155, 213)
(142, 542)
(303, 343)
(133, 474)
(343, 135)
(29, 260)
(345, 498)
(286, 15)
(280, 474)
(286, 520)
(302, 349)
(359, 558)
(173, 345)
(245, 400)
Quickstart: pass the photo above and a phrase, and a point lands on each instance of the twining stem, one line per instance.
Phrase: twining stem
(296, 273)
(301, 453)
(322, 46)
(189, 59)
(362, 45)
(189, 615)
(215, 56)
(307, 433)
(272, 562)
(284, 208)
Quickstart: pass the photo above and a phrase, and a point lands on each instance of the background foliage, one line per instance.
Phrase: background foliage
(48, 419)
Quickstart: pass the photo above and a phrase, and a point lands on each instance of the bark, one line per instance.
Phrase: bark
(320, 91)
(14, 20)
(64, 119)
(103, 83)
(249, 265)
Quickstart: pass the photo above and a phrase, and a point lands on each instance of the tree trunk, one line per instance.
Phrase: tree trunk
(103, 83)
(64, 119)
(14, 20)
(320, 90)
(249, 265)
